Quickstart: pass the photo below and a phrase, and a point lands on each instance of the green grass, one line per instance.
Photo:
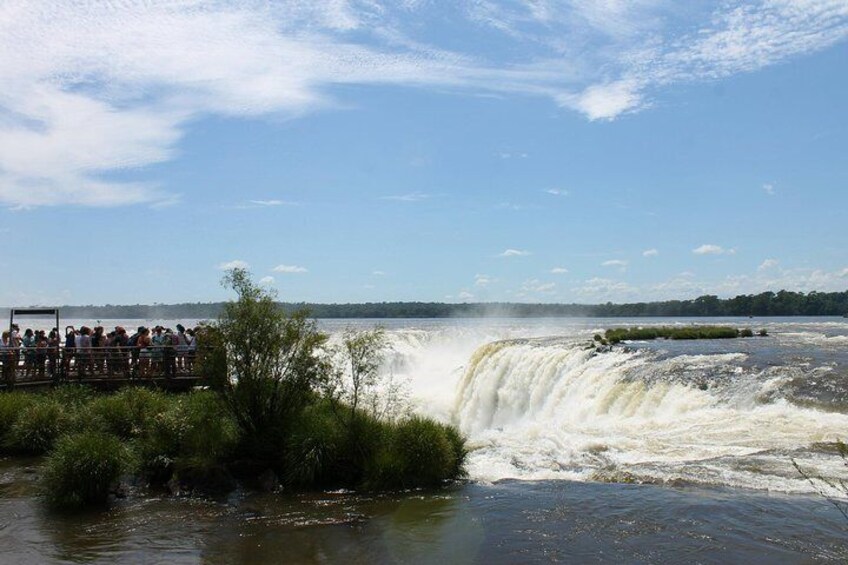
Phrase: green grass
(82, 469)
(90, 440)
(618, 335)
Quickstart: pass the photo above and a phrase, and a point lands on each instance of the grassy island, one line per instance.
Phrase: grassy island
(285, 409)
(617, 335)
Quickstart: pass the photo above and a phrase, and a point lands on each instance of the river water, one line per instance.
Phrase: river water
(653, 452)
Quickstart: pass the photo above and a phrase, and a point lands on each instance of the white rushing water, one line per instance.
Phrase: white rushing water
(548, 407)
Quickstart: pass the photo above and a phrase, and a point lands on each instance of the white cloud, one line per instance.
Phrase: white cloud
(465, 296)
(711, 249)
(559, 271)
(557, 192)
(94, 88)
(482, 280)
(514, 253)
(234, 264)
(601, 289)
(267, 281)
(769, 189)
(535, 286)
(411, 197)
(378, 273)
(650, 253)
(620, 263)
(290, 269)
(767, 264)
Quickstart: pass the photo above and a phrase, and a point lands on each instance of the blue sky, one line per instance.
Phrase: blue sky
(526, 150)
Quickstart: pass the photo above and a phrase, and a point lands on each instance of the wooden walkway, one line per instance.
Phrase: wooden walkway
(103, 368)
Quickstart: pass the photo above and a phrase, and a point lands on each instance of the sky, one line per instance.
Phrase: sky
(359, 150)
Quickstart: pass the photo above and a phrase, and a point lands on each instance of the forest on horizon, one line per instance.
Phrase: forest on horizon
(782, 303)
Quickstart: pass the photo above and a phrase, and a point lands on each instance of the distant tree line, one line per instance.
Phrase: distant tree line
(783, 303)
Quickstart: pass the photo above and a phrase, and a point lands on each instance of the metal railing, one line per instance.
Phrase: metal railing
(57, 364)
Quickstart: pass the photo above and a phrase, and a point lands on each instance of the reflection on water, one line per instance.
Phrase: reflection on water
(508, 522)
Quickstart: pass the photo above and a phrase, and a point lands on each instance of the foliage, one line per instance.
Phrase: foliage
(195, 431)
(617, 335)
(12, 405)
(419, 453)
(37, 427)
(273, 365)
(83, 467)
(782, 303)
(129, 413)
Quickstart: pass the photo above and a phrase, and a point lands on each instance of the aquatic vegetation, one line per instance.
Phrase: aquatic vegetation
(38, 425)
(82, 469)
(617, 335)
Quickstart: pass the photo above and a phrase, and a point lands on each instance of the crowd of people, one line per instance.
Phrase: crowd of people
(84, 351)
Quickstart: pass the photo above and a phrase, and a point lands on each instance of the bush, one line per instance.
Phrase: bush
(37, 427)
(419, 453)
(82, 469)
(747, 332)
(313, 455)
(12, 405)
(196, 432)
(128, 413)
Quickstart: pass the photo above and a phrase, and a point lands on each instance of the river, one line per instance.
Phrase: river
(655, 451)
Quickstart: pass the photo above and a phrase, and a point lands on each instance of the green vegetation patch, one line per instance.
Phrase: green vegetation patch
(83, 468)
(618, 335)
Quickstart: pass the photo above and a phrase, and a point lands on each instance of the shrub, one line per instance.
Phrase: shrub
(763, 333)
(196, 432)
(747, 332)
(315, 448)
(419, 453)
(37, 427)
(82, 469)
(12, 405)
(128, 413)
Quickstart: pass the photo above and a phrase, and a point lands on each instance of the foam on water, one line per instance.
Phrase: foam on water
(551, 408)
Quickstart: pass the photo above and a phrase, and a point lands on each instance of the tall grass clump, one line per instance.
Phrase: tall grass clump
(38, 425)
(82, 469)
(419, 453)
(12, 405)
(618, 335)
(195, 434)
(129, 413)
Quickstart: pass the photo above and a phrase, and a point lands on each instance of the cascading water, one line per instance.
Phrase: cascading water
(544, 408)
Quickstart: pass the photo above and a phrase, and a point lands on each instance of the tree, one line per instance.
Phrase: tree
(274, 365)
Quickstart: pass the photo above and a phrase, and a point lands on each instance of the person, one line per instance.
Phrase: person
(70, 348)
(52, 351)
(120, 341)
(191, 349)
(7, 357)
(83, 351)
(159, 341)
(42, 345)
(28, 343)
(144, 344)
(132, 343)
(181, 344)
(98, 351)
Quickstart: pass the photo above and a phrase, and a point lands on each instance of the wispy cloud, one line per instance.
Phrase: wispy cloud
(620, 263)
(91, 88)
(482, 280)
(768, 264)
(650, 253)
(410, 197)
(559, 271)
(557, 191)
(514, 253)
(768, 189)
(290, 269)
(378, 273)
(712, 249)
(266, 281)
(234, 264)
